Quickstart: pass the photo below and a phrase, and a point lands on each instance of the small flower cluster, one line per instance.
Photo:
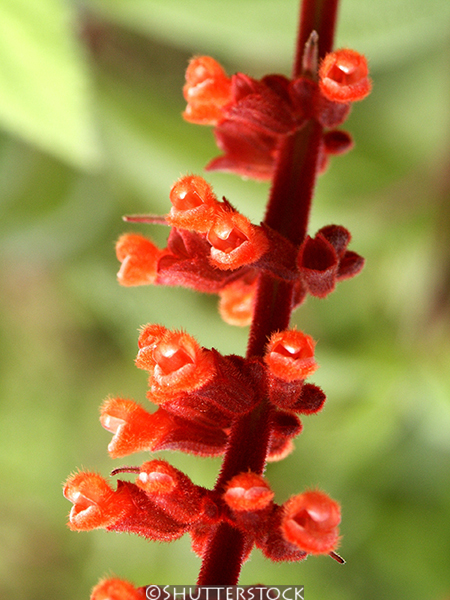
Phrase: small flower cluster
(204, 400)
(199, 393)
(214, 248)
(251, 116)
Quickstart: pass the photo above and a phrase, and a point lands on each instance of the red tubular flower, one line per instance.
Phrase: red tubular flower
(136, 430)
(290, 355)
(194, 204)
(310, 522)
(139, 258)
(206, 91)
(343, 76)
(175, 361)
(116, 589)
(235, 242)
(248, 492)
(95, 504)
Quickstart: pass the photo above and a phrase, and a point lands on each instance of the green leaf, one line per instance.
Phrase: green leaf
(45, 95)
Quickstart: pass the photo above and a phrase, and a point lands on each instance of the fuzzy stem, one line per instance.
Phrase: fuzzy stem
(288, 213)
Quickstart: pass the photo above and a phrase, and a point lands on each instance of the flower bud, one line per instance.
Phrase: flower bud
(310, 522)
(206, 91)
(172, 490)
(343, 76)
(235, 242)
(290, 355)
(248, 492)
(194, 204)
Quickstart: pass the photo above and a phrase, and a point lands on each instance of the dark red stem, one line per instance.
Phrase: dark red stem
(288, 213)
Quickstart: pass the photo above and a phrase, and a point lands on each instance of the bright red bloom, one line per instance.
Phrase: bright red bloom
(95, 504)
(206, 91)
(116, 589)
(343, 76)
(310, 522)
(136, 430)
(290, 355)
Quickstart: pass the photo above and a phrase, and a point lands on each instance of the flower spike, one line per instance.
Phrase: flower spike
(344, 76)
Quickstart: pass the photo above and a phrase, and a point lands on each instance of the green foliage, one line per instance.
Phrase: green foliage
(90, 103)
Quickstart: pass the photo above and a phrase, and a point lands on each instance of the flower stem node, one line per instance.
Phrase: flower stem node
(116, 589)
(310, 522)
(343, 76)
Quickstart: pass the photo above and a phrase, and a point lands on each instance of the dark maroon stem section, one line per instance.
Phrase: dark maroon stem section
(288, 213)
(225, 557)
(320, 16)
(293, 183)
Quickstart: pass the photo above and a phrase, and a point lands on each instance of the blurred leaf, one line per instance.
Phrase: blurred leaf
(262, 31)
(45, 95)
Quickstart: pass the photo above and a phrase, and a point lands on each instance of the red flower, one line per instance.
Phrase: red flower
(343, 76)
(310, 522)
(290, 355)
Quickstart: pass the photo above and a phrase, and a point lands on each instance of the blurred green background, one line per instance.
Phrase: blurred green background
(90, 129)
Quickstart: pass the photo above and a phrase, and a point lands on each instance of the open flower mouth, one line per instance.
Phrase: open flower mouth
(171, 359)
(81, 504)
(344, 74)
(227, 241)
(290, 352)
(112, 424)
